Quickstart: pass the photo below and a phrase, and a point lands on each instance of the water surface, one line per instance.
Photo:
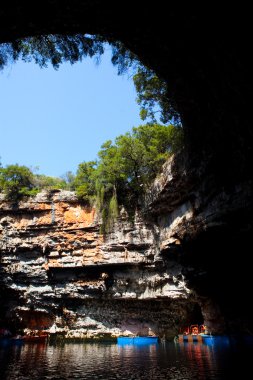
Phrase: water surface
(222, 360)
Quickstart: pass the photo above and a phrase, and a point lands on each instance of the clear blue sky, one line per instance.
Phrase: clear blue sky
(57, 119)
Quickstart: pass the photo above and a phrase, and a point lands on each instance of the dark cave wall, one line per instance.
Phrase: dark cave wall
(208, 232)
(222, 279)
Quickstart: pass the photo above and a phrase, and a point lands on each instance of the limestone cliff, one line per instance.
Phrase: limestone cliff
(207, 229)
(59, 273)
(175, 264)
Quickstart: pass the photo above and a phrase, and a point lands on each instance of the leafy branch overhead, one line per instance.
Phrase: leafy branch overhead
(152, 92)
(153, 97)
(123, 171)
(51, 49)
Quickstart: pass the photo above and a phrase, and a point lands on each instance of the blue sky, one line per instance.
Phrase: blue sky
(57, 119)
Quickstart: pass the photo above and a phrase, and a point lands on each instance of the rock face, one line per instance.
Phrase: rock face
(164, 270)
(208, 231)
(59, 273)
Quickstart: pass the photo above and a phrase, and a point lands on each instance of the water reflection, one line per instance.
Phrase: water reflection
(112, 361)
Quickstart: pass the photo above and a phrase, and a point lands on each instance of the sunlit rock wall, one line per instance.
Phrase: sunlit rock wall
(180, 253)
(58, 272)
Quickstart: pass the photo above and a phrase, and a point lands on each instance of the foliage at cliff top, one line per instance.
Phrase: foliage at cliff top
(16, 181)
(125, 168)
(121, 174)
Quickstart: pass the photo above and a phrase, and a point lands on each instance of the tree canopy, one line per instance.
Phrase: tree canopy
(19, 181)
(125, 168)
(136, 157)
(120, 176)
(53, 48)
(153, 97)
(85, 181)
(16, 181)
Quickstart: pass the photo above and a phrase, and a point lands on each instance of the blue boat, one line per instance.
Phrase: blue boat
(207, 336)
(216, 339)
(137, 340)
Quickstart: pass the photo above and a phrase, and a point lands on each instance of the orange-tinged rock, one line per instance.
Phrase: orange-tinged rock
(79, 214)
(54, 263)
(89, 253)
(53, 225)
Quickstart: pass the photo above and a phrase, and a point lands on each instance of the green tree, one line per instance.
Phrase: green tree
(42, 181)
(153, 97)
(110, 166)
(69, 179)
(16, 181)
(126, 168)
(53, 48)
(144, 150)
(85, 181)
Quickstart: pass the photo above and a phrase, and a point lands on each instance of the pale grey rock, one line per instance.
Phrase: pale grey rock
(88, 285)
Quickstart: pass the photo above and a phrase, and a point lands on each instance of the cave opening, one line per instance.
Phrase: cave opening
(155, 110)
(210, 84)
(63, 116)
(187, 262)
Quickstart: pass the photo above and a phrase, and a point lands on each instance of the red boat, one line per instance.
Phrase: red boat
(35, 338)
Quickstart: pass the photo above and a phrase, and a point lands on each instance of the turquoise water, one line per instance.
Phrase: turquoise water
(223, 359)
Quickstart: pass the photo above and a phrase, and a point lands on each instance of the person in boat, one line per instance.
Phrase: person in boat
(203, 329)
(194, 329)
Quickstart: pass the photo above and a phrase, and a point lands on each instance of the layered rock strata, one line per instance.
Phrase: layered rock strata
(179, 258)
(58, 272)
(207, 230)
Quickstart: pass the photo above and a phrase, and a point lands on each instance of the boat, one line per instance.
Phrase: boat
(17, 339)
(137, 340)
(217, 339)
(194, 333)
(35, 338)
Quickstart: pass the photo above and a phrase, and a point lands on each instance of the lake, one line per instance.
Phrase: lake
(221, 359)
